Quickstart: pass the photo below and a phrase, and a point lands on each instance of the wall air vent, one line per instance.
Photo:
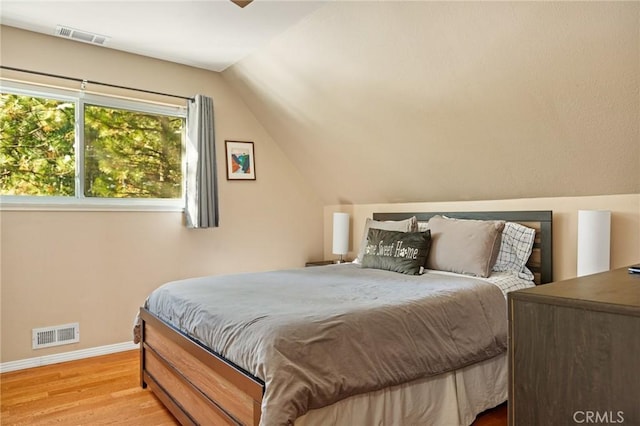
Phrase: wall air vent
(55, 336)
(79, 35)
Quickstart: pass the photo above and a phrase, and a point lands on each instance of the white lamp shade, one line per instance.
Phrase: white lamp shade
(340, 233)
(594, 241)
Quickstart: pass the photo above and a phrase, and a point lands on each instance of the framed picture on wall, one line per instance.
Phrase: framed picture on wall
(241, 163)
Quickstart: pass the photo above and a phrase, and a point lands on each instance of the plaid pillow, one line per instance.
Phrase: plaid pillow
(515, 249)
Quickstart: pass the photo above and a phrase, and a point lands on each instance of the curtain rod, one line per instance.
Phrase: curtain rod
(84, 81)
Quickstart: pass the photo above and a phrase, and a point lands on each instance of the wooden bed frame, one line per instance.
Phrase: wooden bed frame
(200, 387)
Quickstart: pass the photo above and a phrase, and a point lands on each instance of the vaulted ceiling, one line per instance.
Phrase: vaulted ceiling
(382, 102)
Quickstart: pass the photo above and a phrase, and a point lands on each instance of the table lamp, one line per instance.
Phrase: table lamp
(594, 241)
(340, 235)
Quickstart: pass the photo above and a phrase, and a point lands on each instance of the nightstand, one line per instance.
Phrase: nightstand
(574, 351)
(320, 263)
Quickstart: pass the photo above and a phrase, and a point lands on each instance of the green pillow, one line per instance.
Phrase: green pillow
(404, 252)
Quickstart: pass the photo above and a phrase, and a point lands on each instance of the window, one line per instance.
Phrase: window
(37, 146)
(131, 154)
(64, 148)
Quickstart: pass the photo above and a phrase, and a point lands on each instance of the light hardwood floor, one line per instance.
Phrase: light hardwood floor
(92, 391)
(98, 391)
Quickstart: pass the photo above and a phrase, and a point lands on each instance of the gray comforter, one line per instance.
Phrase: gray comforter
(317, 335)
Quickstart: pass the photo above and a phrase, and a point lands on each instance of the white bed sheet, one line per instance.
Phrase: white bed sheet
(449, 399)
(505, 281)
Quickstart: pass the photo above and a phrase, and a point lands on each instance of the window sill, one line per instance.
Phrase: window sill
(21, 203)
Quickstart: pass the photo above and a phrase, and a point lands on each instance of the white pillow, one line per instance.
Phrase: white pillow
(407, 225)
(515, 249)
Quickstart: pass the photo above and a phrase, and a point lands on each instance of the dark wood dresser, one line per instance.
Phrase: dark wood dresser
(574, 351)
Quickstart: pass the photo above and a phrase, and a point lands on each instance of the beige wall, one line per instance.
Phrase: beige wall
(360, 105)
(406, 101)
(625, 224)
(97, 267)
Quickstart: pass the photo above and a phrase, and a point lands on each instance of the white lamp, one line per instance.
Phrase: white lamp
(340, 234)
(594, 241)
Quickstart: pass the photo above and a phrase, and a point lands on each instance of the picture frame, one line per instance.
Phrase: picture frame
(241, 164)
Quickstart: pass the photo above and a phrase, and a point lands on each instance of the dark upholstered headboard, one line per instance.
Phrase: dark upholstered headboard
(541, 260)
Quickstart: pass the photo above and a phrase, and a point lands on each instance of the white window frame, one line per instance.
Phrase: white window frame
(79, 201)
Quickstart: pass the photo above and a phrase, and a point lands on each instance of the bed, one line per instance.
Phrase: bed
(203, 381)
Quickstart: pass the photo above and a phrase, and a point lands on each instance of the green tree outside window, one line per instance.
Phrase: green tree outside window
(37, 139)
(127, 154)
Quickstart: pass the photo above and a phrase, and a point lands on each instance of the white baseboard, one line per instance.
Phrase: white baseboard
(66, 356)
